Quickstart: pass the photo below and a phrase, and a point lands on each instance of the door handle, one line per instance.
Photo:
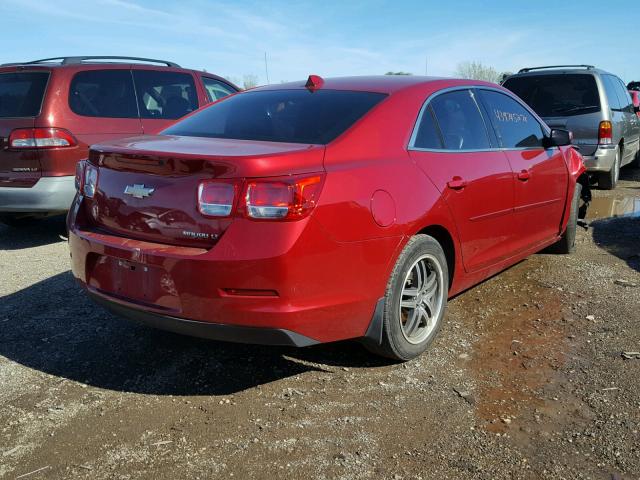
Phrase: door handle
(456, 183)
(524, 175)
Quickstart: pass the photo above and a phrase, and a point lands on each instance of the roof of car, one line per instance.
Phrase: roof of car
(559, 70)
(377, 83)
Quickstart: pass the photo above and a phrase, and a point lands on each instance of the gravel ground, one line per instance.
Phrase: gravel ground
(526, 381)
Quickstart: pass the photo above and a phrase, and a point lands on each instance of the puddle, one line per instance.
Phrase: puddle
(522, 346)
(605, 207)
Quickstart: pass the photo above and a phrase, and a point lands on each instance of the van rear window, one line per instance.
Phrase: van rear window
(21, 93)
(558, 95)
(290, 116)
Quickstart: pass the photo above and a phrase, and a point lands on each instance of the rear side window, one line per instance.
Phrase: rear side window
(103, 93)
(291, 116)
(623, 96)
(167, 95)
(557, 95)
(428, 135)
(460, 121)
(216, 89)
(514, 125)
(21, 94)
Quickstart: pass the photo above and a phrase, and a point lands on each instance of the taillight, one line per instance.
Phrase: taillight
(215, 198)
(90, 182)
(605, 133)
(79, 175)
(282, 199)
(41, 138)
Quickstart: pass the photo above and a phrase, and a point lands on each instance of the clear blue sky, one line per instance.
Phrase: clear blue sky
(330, 38)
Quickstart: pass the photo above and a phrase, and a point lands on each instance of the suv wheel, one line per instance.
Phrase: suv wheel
(415, 300)
(609, 180)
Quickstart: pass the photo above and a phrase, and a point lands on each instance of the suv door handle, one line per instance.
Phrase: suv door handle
(456, 183)
(524, 175)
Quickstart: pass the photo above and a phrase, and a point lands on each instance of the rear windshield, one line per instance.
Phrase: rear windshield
(557, 95)
(21, 93)
(291, 116)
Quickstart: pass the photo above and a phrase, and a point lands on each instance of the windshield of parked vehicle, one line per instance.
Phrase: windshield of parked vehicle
(21, 93)
(558, 95)
(291, 116)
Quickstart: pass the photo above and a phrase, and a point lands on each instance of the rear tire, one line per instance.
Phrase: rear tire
(567, 243)
(609, 180)
(415, 300)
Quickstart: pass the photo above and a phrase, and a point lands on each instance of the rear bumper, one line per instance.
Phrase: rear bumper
(212, 331)
(48, 195)
(602, 160)
(314, 289)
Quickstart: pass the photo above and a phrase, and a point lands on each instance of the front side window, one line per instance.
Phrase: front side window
(557, 95)
(165, 95)
(290, 116)
(103, 93)
(514, 124)
(216, 89)
(21, 93)
(460, 121)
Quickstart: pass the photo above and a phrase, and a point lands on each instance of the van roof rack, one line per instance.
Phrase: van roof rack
(525, 70)
(78, 60)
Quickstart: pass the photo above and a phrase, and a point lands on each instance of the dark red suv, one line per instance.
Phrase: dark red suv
(51, 110)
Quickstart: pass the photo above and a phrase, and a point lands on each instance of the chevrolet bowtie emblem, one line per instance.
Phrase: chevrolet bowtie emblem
(138, 191)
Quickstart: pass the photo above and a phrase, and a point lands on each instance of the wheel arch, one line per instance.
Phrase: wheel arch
(445, 239)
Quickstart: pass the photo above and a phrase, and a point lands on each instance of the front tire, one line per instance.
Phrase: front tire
(567, 243)
(415, 300)
(609, 180)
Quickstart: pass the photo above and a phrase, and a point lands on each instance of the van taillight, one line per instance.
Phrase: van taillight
(289, 198)
(215, 198)
(41, 138)
(605, 133)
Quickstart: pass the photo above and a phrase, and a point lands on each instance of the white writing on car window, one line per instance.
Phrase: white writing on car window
(510, 117)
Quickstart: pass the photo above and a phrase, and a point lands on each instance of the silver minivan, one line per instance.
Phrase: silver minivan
(593, 104)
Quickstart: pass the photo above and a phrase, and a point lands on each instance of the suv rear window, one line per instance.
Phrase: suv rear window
(291, 116)
(21, 93)
(103, 93)
(559, 95)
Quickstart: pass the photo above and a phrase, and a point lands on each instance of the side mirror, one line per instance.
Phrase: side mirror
(559, 138)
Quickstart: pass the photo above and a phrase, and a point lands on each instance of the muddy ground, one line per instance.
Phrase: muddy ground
(526, 380)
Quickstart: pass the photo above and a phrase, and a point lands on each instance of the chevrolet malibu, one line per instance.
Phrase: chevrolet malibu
(310, 212)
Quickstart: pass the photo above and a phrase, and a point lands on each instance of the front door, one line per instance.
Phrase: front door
(540, 174)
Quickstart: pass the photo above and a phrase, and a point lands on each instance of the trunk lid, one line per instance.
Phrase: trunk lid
(21, 97)
(173, 167)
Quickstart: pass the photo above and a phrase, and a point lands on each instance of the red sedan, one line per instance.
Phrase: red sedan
(313, 212)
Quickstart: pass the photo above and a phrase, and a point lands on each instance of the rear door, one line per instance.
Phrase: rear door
(452, 145)
(540, 174)
(103, 105)
(164, 97)
(632, 131)
(21, 96)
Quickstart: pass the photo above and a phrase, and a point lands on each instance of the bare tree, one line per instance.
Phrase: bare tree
(477, 71)
(250, 81)
(398, 73)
